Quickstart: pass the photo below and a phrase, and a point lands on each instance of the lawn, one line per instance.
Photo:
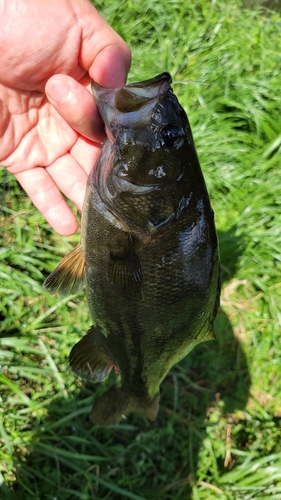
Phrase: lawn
(218, 431)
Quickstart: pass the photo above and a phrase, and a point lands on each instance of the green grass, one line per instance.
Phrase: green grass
(218, 430)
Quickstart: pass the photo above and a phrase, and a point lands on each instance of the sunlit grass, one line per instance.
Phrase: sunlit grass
(218, 430)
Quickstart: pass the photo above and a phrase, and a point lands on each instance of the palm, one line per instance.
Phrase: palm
(45, 152)
(35, 134)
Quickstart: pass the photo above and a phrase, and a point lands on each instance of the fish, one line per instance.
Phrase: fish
(148, 255)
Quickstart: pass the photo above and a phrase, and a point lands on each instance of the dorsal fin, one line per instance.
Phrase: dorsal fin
(69, 277)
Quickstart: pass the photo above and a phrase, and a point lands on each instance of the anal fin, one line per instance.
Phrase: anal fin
(69, 277)
(88, 359)
(115, 404)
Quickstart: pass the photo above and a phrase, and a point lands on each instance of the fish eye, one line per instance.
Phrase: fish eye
(171, 134)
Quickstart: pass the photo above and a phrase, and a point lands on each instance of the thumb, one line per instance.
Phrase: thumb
(76, 106)
(103, 53)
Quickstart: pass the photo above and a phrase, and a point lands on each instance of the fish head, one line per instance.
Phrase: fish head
(147, 171)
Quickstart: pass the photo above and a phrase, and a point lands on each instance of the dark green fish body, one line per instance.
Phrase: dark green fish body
(148, 249)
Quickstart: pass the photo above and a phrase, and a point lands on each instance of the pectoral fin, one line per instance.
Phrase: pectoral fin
(126, 272)
(69, 276)
(88, 359)
(125, 269)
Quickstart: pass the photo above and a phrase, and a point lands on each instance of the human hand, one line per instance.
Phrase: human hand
(50, 130)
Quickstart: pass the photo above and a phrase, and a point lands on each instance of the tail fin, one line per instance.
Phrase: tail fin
(115, 403)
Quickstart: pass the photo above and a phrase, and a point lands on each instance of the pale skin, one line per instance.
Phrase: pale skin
(50, 130)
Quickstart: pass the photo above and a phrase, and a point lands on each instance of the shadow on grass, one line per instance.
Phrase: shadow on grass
(70, 458)
(268, 4)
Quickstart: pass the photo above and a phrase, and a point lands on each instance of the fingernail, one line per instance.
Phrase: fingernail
(58, 90)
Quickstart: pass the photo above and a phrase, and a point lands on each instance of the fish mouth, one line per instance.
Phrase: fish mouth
(145, 84)
(165, 76)
(131, 97)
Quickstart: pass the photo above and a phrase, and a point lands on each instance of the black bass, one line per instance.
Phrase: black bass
(148, 251)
